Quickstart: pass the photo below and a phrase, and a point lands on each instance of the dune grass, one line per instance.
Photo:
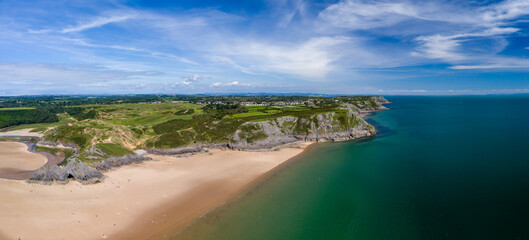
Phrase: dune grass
(112, 149)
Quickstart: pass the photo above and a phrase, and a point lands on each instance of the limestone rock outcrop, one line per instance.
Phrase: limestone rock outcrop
(197, 148)
(332, 126)
(113, 162)
(75, 169)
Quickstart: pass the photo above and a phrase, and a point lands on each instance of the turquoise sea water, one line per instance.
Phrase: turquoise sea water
(440, 168)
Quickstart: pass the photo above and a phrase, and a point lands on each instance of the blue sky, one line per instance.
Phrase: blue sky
(198, 46)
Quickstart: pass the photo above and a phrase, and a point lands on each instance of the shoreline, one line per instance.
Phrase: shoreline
(248, 188)
(17, 174)
(149, 200)
(153, 197)
(24, 170)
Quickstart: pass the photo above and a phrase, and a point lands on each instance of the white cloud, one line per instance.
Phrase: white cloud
(494, 31)
(228, 61)
(203, 40)
(467, 67)
(190, 80)
(359, 14)
(439, 47)
(236, 83)
(230, 84)
(446, 29)
(288, 10)
(449, 47)
(98, 22)
(31, 78)
(310, 59)
(496, 63)
(82, 42)
(351, 14)
(44, 73)
(287, 44)
(506, 10)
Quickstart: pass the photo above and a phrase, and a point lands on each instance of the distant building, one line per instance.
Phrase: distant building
(253, 104)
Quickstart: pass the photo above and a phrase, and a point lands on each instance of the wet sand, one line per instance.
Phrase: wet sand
(21, 133)
(17, 162)
(134, 202)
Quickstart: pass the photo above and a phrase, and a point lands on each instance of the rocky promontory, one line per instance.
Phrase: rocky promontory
(82, 172)
(338, 124)
(333, 126)
(75, 169)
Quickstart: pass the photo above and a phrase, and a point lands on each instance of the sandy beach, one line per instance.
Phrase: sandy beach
(16, 160)
(16, 155)
(21, 133)
(134, 202)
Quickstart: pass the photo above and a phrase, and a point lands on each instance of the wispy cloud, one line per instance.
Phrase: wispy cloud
(284, 44)
(498, 13)
(497, 63)
(311, 59)
(360, 14)
(23, 78)
(353, 15)
(439, 47)
(490, 23)
(228, 61)
(448, 47)
(98, 22)
(289, 9)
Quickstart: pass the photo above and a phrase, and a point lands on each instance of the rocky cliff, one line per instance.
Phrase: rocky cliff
(75, 169)
(80, 171)
(343, 123)
(333, 126)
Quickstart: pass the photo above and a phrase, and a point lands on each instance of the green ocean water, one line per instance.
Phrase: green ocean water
(440, 168)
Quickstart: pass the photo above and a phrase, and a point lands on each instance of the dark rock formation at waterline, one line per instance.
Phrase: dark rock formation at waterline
(332, 126)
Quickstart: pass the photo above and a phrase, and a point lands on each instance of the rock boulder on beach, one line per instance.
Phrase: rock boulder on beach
(75, 169)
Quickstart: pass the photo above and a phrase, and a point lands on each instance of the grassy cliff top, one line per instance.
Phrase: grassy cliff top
(117, 128)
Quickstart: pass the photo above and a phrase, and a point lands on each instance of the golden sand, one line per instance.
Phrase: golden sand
(15, 155)
(138, 201)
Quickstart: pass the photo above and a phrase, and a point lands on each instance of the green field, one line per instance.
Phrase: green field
(16, 108)
(116, 128)
(268, 110)
(144, 114)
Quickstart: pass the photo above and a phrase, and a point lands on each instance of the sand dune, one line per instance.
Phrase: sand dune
(134, 202)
